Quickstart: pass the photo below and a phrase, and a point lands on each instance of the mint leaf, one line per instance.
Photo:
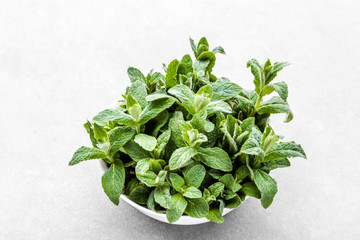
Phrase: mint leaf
(140, 194)
(139, 92)
(171, 73)
(154, 108)
(215, 158)
(135, 74)
(274, 70)
(195, 176)
(251, 190)
(197, 208)
(162, 195)
(274, 164)
(233, 202)
(219, 49)
(185, 65)
(281, 88)
(113, 181)
(89, 129)
(192, 192)
(215, 215)
(177, 208)
(161, 94)
(148, 178)
(218, 106)
(117, 115)
(217, 188)
(225, 89)
(136, 152)
(256, 70)
(145, 141)
(176, 134)
(181, 157)
(252, 147)
(276, 105)
(284, 150)
(142, 166)
(118, 137)
(86, 153)
(100, 133)
(177, 182)
(193, 46)
(186, 97)
(267, 187)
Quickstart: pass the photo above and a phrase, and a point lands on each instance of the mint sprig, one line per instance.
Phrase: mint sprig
(189, 142)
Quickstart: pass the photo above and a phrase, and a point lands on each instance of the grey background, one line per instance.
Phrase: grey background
(63, 61)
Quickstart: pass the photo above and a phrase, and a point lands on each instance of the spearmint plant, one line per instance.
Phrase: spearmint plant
(188, 142)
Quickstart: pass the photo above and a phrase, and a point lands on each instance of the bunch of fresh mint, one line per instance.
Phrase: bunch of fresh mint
(188, 142)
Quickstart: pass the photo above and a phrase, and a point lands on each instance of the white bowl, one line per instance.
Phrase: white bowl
(184, 220)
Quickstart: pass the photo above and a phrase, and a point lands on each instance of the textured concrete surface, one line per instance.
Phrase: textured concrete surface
(63, 61)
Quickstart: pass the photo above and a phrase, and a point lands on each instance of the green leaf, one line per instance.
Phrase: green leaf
(142, 166)
(185, 65)
(233, 202)
(155, 124)
(284, 150)
(252, 147)
(117, 115)
(225, 89)
(242, 173)
(192, 192)
(229, 182)
(86, 153)
(257, 71)
(140, 194)
(275, 105)
(171, 73)
(181, 157)
(195, 176)
(162, 195)
(148, 178)
(215, 158)
(218, 106)
(274, 164)
(145, 141)
(207, 56)
(177, 182)
(186, 97)
(281, 88)
(150, 201)
(197, 208)
(176, 134)
(275, 69)
(139, 92)
(161, 94)
(118, 137)
(154, 108)
(100, 133)
(135, 151)
(214, 215)
(113, 181)
(248, 124)
(134, 74)
(251, 190)
(89, 129)
(216, 188)
(177, 208)
(193, 46)
(267, 187)
(219, 49)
